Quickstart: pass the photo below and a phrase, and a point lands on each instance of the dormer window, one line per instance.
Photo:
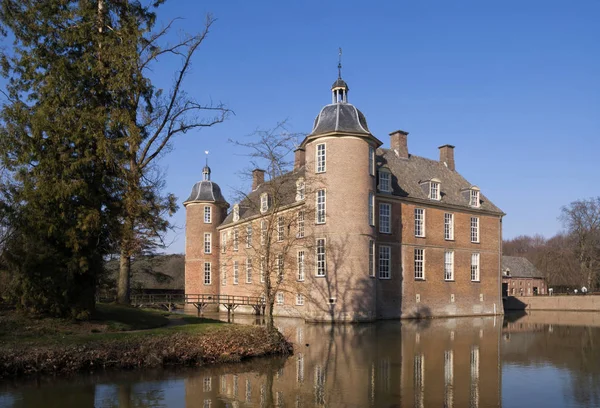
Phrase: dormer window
(236, 213)
(264, 202)
(300, 188)
(385, 180)
(474, 197)
(434, 189)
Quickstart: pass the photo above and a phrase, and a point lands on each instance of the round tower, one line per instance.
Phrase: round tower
(340, 158)
(205, 210)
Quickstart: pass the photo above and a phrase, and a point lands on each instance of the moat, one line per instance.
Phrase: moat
(541, 359)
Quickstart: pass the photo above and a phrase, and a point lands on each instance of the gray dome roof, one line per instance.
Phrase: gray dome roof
(340, 117)
(340, 83)
(207, 191)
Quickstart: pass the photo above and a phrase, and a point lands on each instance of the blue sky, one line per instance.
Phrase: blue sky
(514, 85)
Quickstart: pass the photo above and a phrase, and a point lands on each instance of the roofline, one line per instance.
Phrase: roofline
(438, 204)
(369, 136)
(219, 203)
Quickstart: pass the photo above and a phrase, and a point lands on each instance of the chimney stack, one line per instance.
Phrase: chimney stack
(258, 178)
(299, 158)
(399, 143)
(447, 156)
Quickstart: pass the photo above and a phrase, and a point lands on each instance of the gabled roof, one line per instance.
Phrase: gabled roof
(409, 173)
(519, 267)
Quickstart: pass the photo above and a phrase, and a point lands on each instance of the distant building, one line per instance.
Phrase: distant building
(394, 235)
(521, 278)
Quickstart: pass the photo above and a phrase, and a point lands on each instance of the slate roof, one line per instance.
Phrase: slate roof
(206, 190)
(519, 267)
(340, 117)
(408, 174)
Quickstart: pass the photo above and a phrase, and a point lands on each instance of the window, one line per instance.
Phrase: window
(236, 239)
(264, 202)
(385, 178)
(321, 257)
(207, 243)
(434, 190)
(207, 215)
(371, 258)
(223, 275)
(280, 298)
(449, 226)
(280, 267)
(300, 233)
(207, 273)
(419, 222)
(300, 188)
(262, 269)
(248, 270)
(249, 236)
(236, 213)
(419, 263)
(474, 229)
(236, 272)
(384, 218)
(263, 232)
(321, 158)
(280, 228)
(371, 209)
(371, 161)
(224, 241)
(300, 265)
(321, 207)
(474, 197)
(299, 299)
(449, 265)
(475, 267)
(384, 262)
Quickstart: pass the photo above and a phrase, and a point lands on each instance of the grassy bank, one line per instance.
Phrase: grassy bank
(125, 338)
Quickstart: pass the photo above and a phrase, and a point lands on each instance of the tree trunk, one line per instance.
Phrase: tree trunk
(123, 297)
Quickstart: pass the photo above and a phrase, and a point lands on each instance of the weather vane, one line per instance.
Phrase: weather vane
(206, 153)
(340, 63)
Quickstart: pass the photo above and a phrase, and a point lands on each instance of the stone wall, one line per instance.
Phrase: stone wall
(575, 302)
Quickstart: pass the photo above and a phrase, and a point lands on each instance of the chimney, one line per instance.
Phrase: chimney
(398, 143)
(447, 156)
(258, 178)
(299, 158)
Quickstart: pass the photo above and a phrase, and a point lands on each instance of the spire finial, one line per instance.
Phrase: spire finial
(206, 153)
(340, 63)
(206, 169)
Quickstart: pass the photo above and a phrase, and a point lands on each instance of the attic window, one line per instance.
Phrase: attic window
(300, 188)
(474, 197)
(385, 180)
(236, 213)
(264, 202)
(434, 189)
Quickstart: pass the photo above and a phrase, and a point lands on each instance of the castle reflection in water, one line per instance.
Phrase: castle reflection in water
(441, 362)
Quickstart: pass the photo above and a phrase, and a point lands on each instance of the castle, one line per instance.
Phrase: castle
(355, 232)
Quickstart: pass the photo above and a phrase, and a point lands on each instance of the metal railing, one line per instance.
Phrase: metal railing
(146, 299)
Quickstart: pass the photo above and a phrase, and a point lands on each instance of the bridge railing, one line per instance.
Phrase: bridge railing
(158, 298)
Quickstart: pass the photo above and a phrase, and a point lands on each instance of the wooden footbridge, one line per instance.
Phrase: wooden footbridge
(200, 301)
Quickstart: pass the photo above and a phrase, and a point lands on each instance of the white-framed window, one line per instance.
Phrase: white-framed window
(300, 221)
(385, 210)
(207, 273)
(371, 209)
(207, 214)
(449, 265)
(248, 270)
(207, 242)
(371, 258)
(223, 241)
(300, 189)
(434, 190)
(419, 222)
(475, 276)
(301, 265)
(449, 226)
(236, 213)
(475, 229)
(223, 275)
(371, 160)
(385, 180)
(321, 257)
(236, 239)
(236, 272)
(299, 299)
(249, 236)
(280, 228)
(419, 263)
(263, 232)
(280, 267)
(279, 298)
(264, 202)
(474, 197)
(320, 207)
(321, 158)
(385, 253)
(262, 269)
